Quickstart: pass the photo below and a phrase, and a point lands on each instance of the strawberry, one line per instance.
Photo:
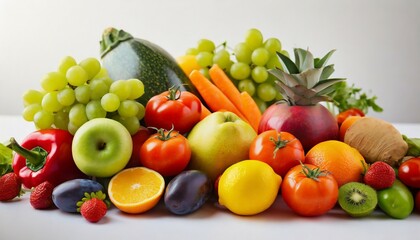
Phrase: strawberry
(380, 175)
(93, 207)
(10, 186)
(41, 196)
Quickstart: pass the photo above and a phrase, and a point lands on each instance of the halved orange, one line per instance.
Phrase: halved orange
(136, 190)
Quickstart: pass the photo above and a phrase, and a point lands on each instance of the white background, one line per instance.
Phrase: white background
(377, 42)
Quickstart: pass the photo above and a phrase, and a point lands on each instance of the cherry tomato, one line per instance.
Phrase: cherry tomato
(280, 150)
(138, 139)
(309, 191)
(417, 201)
(166, 152)
(180, 109)
(409, 172)
(347, 113)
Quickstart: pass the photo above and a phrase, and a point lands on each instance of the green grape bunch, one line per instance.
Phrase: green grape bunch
(207, 54)
(78, 92)
(247, 64)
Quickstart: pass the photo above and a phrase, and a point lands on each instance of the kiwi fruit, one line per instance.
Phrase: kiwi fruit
(357, 199)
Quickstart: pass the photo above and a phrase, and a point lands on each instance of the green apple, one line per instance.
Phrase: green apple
(101, 147)
(218, 141)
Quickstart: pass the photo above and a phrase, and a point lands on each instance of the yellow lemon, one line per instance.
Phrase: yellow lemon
(248, 187)
(188, 63)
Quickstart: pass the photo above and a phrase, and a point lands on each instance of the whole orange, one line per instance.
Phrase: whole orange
(344, 162)
(347, 123)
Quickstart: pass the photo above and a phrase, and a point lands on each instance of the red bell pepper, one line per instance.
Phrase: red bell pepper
(45, 155)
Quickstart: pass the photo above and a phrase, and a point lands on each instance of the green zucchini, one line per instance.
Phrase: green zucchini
(125, 57)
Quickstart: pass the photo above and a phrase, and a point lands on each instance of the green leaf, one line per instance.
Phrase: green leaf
(288, 65)
(413, 146)
(374, 106)
(316, 60)
(286, 78)
(327, 91)
(346, 97)
(279, 88)
(327, 71)
(304, 92)
(287, 91)
(326, 83)
(310, 77)
(6, 157)
(324, 60)
(304, 59)
(300, 56)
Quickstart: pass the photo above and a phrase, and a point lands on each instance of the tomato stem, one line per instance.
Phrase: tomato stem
(313, 173)
(174, 93)
(164, 135)
(279, 143)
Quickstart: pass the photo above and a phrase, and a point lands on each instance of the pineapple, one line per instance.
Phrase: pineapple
(304, 84)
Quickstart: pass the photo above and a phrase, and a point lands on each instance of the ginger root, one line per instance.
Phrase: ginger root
(376, 140)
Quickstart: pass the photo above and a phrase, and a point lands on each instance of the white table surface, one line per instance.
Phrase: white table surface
(18, 220)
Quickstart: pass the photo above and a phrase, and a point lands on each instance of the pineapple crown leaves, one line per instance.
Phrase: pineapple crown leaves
(89, 196)
(305, 81)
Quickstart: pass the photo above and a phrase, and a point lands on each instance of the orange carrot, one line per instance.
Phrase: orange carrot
(214, 98)
(252, 112)
(223, 82)
(204, 112)
(242, 101)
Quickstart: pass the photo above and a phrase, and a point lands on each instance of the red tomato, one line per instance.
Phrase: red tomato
(347, 113)
(180, 109)
(166, 152)
(417, 201)
(280, 150)
(138, 139)
(409, 172)
(308, 191)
